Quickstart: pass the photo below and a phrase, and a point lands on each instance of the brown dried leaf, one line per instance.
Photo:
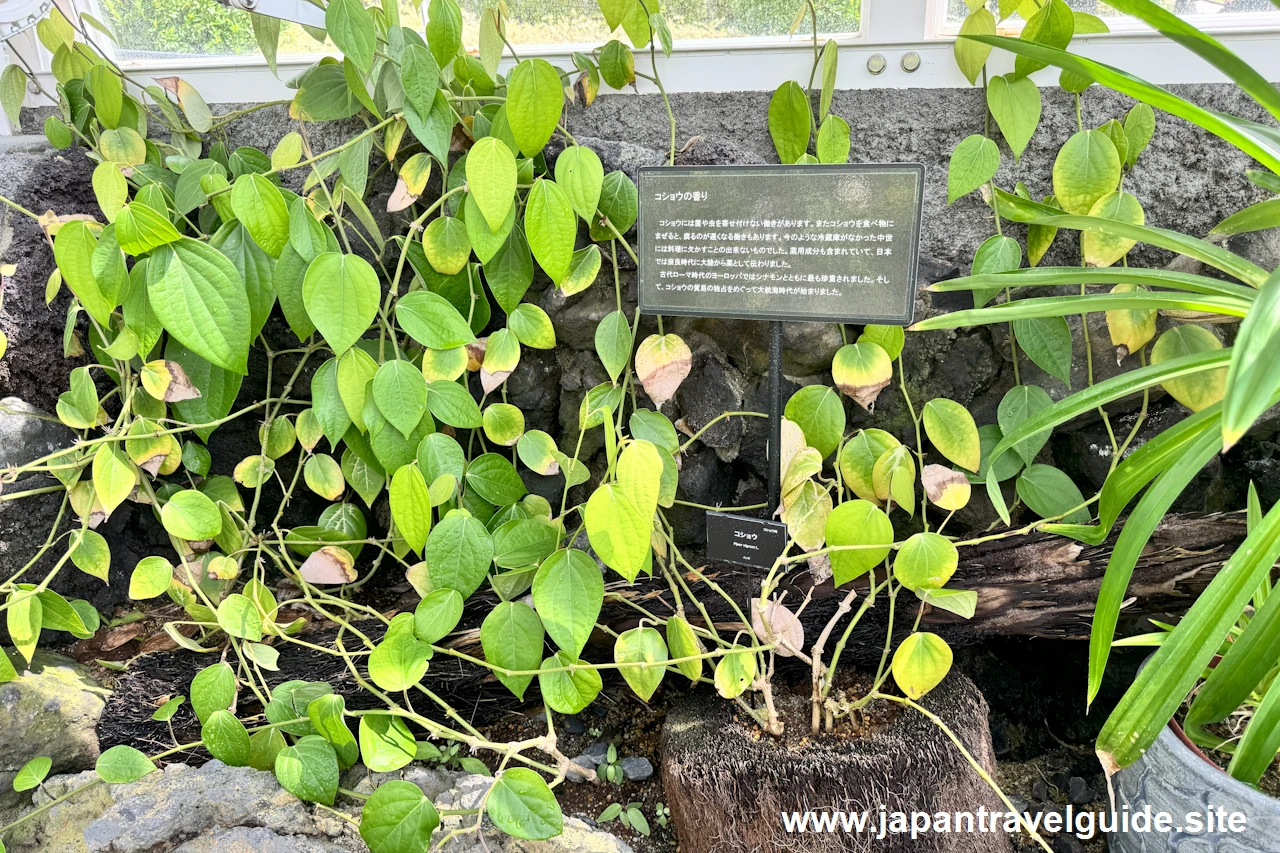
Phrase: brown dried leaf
(774, 623)
(946, 488)
(490, 381)
(662, 363)
(475, 354)
(400, 197)
(169, 84)
(162, 641)
(329, 565)
(167, 381)
(120, 635)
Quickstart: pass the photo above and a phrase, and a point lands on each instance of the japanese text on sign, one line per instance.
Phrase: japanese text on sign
(780, 242)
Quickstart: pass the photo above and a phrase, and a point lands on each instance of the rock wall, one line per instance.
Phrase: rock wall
(1186, 180)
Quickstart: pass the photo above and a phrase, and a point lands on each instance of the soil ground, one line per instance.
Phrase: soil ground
(1042, 735)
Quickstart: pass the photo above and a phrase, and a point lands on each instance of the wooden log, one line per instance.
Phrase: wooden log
(1038, 585)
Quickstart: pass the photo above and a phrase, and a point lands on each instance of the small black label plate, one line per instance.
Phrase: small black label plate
(744, 540)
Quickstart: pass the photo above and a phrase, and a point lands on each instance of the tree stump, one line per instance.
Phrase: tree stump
(729, 785)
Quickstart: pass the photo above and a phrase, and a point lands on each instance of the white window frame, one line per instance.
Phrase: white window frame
(1234, 23)
(891, 30)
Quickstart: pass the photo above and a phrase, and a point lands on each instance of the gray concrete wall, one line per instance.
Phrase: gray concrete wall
(1187, 179)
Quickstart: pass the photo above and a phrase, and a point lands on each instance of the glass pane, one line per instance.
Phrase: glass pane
(956, 10)
(161, 30)
(551, 22)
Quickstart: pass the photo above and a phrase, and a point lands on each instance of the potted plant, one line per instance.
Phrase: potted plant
(388, 376)
(1218, 660)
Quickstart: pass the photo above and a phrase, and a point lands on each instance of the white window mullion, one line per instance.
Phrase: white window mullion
(891, 31)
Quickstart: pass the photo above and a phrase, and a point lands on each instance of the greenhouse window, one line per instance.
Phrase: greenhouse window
(1209, 15)
(169, 31)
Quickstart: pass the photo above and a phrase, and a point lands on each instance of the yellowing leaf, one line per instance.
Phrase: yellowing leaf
(920, 663)
(192, 103)
(113, 476)
(926, 561)
(858, 459)
(802, 466)
(110, 187)
(447, 245)
(1130, 328)
(645, 650)
(619, 515)
(323, 475)
(253, 471)
(1103, 250)
(893, 478)
(861, 370)
(682, 642)
(806, 515)
(662, 363)
(168, 382)
(446, 364)
(1199, 390)
(503, 424)
(734, 673)
(288, 151)
(329, 565)
(945, 488)
(857, 523)
(1086, 169)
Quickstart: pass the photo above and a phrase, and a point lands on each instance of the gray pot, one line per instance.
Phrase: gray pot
(1173, 779)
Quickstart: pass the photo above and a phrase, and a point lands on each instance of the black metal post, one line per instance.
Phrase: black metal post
(775, 416)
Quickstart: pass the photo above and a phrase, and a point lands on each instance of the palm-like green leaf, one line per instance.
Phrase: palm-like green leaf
(1136, 470)
(1019, 209)
(1164, 683)
(1201, 250)
(1052, 276)
(1261, 741)
(1254, 375)
(1062, 306)
(1206, 47)
(1255, 217)
(1133, 539)
(1244, 666)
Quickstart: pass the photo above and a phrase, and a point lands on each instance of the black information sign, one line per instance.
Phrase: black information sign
(828, 243)
(744, 540)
